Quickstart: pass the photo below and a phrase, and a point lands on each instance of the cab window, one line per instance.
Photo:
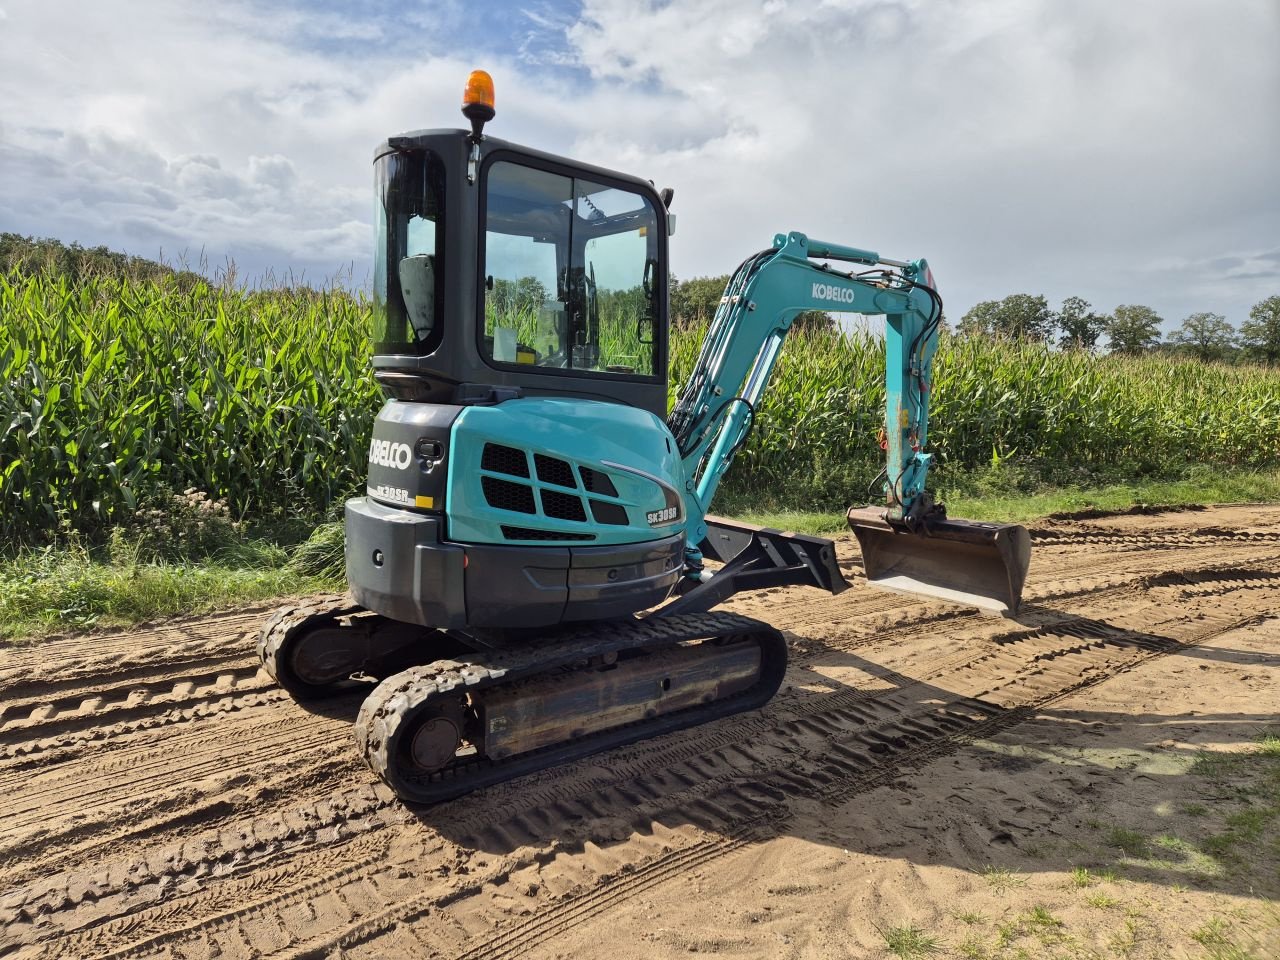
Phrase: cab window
(570, 273)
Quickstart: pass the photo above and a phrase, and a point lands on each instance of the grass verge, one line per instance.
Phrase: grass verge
(982, 498)
(57, 589)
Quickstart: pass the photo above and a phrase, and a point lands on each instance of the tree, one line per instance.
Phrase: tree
(1018, 316)
(980, 321)
(1133, 329)
(1260, 334)
(1207, 336)
(1080, 326)
(695, 301)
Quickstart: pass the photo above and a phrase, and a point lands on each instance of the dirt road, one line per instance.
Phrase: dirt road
(159, 798)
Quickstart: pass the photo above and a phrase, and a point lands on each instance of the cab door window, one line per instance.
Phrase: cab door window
(570, 273)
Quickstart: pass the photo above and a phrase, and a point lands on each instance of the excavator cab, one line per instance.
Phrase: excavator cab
(501, 270)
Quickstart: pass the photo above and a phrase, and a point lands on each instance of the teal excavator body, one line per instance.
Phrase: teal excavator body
(537, 520)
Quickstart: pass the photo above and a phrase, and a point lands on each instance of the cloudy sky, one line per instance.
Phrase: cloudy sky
(1126, 151)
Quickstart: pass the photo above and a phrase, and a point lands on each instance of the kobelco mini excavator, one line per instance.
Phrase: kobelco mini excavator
(527, 572)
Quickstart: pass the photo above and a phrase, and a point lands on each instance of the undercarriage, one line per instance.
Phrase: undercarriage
(440, 729)
(448, 711)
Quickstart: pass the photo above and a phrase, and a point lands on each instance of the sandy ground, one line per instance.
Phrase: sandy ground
(925, 772)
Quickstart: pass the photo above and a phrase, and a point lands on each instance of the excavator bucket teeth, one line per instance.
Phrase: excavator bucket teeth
(977, 564)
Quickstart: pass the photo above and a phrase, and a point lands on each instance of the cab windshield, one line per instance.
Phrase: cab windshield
(570, 272)
(409, 252)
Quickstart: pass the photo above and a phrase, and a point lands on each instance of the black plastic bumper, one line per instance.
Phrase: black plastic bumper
(399, 565)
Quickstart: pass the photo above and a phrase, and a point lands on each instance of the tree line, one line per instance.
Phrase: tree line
(1129, 329)
(1076, 325)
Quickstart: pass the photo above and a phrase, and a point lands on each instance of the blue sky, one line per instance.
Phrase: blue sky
(1123, 152)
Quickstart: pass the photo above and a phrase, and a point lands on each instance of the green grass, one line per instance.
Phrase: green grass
(909, 941)
(1128, 842)
(1201, 486)
(1101, 901)
(1081, 877)
(57, 589)
(1001, 879)
(137, 575)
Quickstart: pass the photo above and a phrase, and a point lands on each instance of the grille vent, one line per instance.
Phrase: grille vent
(611, 513)
(520, 497)
(524, 533)
(505, 495)
(553, 470)
(593, 481)
(500, 459)
(563, 506)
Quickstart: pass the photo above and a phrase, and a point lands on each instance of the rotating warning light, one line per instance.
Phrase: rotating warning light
(477, 99)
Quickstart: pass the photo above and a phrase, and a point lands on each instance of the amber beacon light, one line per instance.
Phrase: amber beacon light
(477, 101)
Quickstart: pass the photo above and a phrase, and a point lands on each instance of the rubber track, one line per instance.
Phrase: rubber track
(286, 621)
(396, 697)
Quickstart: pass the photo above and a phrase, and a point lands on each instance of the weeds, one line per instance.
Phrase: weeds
(1129, 842)
(1001, 879)
(1081, 877)
(910, 941)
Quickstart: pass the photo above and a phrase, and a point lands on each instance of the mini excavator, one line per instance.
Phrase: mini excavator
(528, 571)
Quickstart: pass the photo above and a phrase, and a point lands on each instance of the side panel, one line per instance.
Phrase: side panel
(408, 453)
(573, 473)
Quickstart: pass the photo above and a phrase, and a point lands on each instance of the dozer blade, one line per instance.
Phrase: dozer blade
(977, 564)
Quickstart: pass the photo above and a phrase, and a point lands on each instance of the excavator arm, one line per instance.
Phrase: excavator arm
(908, 544)
(714, 412)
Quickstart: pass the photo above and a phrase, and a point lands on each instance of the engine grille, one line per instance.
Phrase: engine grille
(553, 470)
(563, 506)
(501, 459)
(593, 481)
(534, 498)
(611, 513)
(505, 495)
(525, 533)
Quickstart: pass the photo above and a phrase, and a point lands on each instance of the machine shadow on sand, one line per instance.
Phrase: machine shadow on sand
(648, 787)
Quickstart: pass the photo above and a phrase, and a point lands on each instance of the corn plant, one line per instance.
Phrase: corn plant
(117, 389)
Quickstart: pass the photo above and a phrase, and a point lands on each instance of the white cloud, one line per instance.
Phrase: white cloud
(1022, 145)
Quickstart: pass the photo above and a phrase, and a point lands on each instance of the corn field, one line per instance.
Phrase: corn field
(116, 390)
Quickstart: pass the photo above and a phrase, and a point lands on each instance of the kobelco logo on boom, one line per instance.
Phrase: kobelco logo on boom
(387, 454)
(825, 291)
